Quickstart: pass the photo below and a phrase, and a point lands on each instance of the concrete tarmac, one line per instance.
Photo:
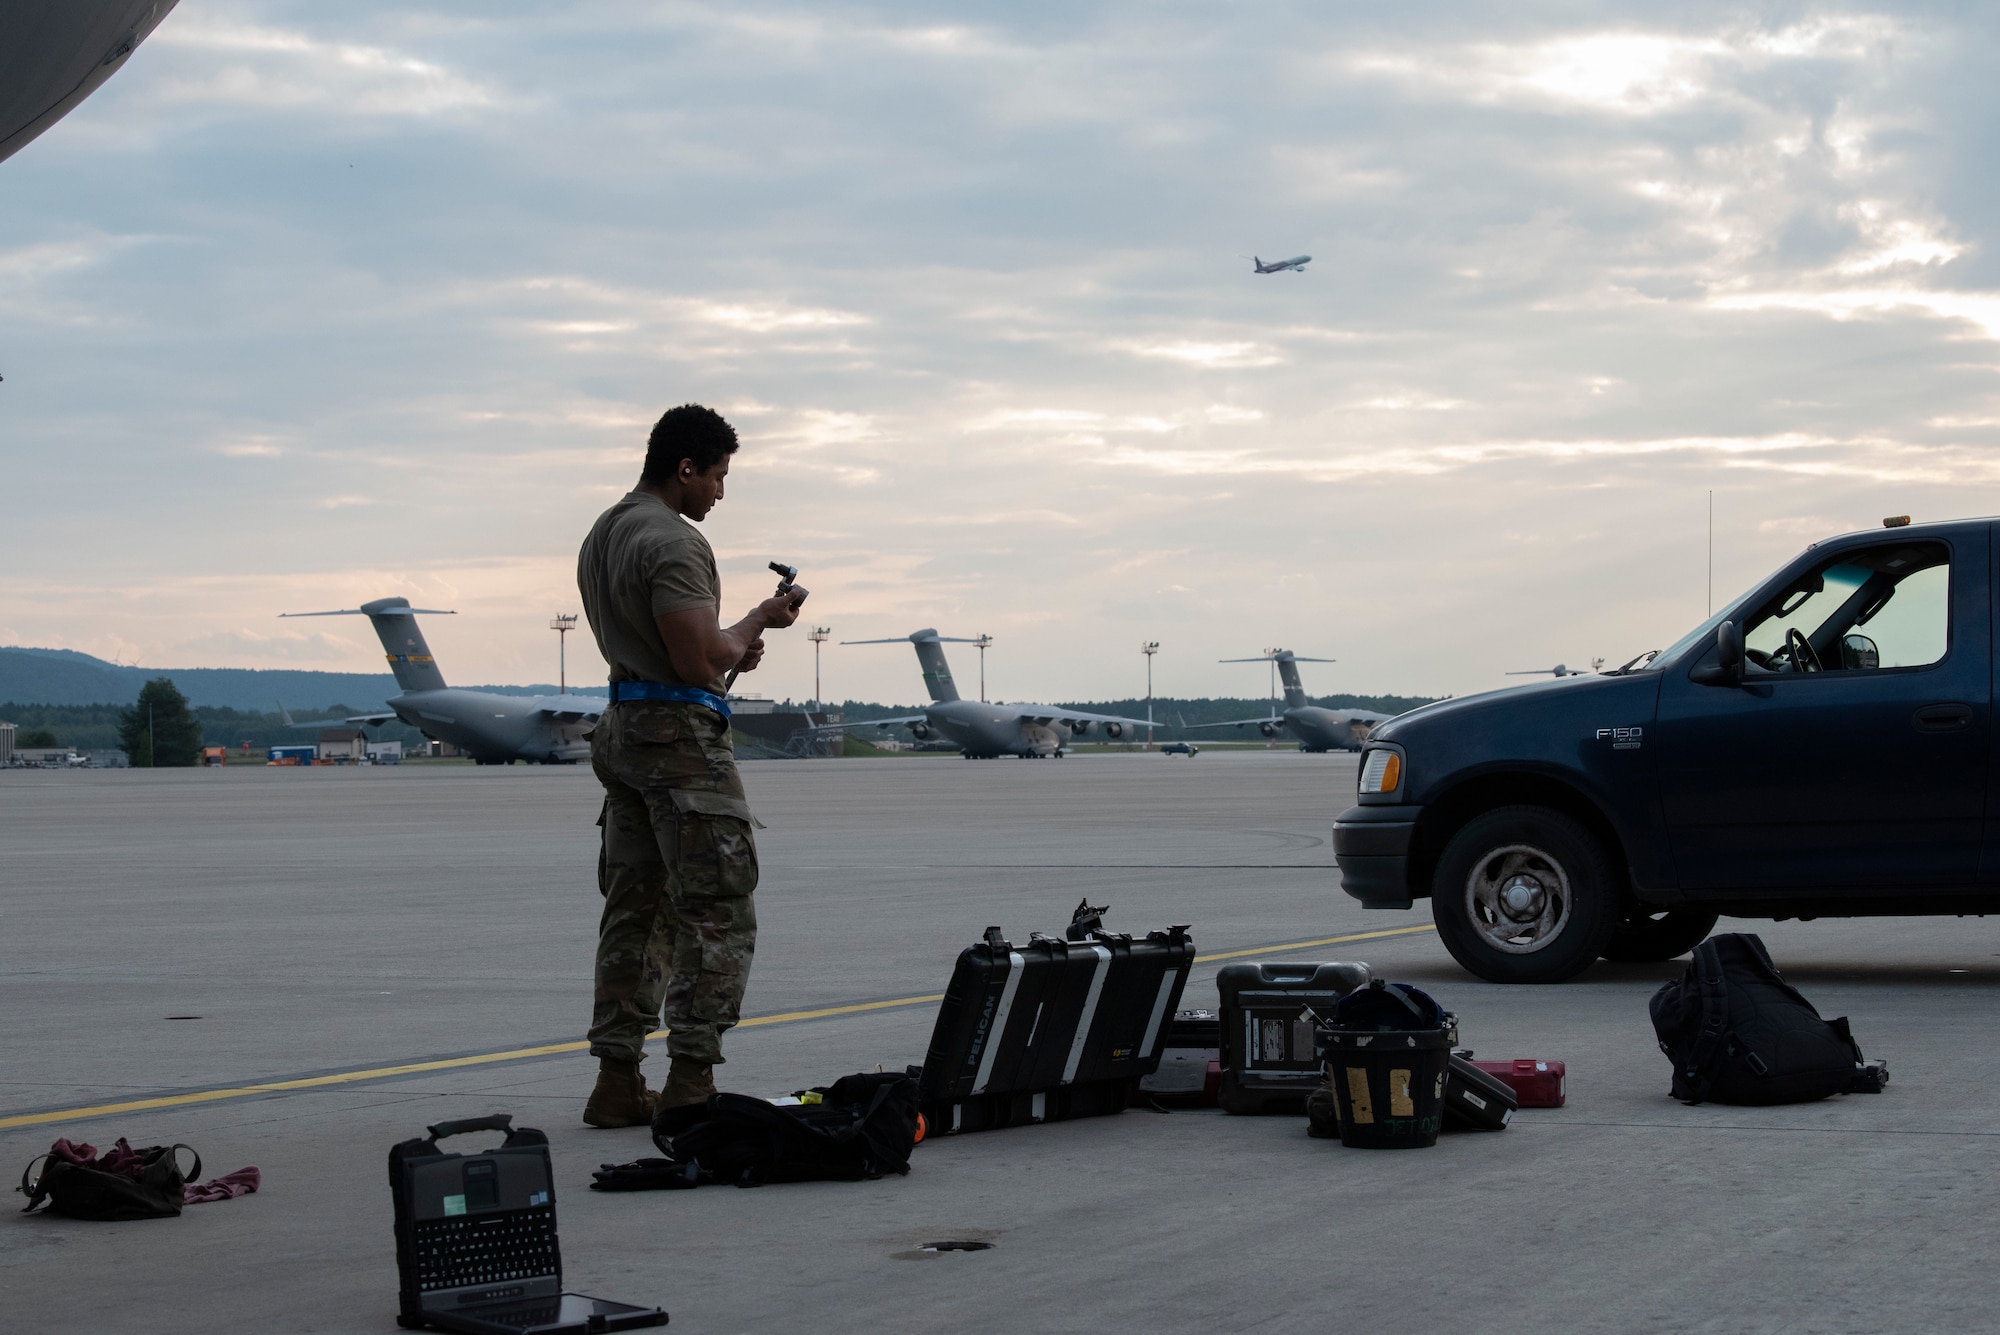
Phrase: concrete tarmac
(320, 923)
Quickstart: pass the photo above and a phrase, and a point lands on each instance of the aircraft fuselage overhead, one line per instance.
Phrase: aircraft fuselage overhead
(1296, 264)
(493, 729)
(55, 53)
(984, 731)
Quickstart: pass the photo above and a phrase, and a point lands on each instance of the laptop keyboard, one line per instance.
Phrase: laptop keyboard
(459, 1252)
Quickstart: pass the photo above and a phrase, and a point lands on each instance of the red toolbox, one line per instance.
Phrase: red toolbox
(1537, 1084)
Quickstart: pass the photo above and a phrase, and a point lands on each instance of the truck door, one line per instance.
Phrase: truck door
(1853, 757)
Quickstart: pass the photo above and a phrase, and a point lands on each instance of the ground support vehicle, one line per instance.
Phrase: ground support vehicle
(1822, 747)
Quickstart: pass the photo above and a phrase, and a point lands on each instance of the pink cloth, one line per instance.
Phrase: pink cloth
(121, 1160)
(230, 1185)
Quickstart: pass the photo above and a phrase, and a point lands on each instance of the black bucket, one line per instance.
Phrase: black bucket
(1387, 1051)
(1388, 1085)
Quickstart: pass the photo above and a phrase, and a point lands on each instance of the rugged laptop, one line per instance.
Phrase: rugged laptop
(476, 1247)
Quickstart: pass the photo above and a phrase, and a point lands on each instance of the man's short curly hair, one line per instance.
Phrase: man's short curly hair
(691, 432)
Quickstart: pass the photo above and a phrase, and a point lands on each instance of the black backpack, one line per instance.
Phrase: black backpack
(862, 1126)
(1737, 1032)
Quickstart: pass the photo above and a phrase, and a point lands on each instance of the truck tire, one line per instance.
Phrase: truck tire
(1661, 935)
(1524, 895)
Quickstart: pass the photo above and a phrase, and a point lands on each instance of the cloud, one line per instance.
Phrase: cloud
(385, 299)
(276, 69)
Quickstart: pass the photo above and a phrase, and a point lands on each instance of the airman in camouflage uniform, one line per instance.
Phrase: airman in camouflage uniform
(677, 864)
(679, 869)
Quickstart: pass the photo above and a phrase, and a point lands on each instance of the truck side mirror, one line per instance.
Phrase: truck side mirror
(1727, 670)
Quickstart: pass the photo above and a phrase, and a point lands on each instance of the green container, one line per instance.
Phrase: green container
(1388, 1085)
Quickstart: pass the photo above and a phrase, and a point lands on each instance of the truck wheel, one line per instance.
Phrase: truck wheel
(1524, 895)
(1645, 937)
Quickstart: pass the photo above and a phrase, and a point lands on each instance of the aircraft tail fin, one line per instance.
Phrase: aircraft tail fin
(937, 672)
(395, 623)
(1295, 691)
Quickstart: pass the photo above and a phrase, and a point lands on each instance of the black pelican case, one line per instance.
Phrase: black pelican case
(1270, 1060)
(1053, 1029)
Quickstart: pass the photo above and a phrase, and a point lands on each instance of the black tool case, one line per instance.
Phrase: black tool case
(1052, 1029)
(1473, 1098)
(1269, 1057)
(1190, 1071)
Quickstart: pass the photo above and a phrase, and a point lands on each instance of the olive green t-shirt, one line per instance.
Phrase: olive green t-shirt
(642, 560)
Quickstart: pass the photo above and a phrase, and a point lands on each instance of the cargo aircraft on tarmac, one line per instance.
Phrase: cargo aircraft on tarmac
(985, 731)
(492, 729)
(1297, 264)
(1316, 727)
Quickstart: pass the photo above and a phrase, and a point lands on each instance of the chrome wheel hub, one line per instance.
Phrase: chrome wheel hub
(1518, 899)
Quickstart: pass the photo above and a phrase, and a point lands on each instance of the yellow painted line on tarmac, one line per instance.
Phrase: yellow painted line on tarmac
(1307, 945)
(555, 1049)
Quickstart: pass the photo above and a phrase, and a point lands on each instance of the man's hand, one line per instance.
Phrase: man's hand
(702, 650)
(779, 611)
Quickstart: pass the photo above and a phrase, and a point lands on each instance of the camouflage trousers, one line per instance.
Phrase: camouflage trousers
(678, 871)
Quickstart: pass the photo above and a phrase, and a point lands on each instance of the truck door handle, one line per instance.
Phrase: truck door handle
(1942, 718)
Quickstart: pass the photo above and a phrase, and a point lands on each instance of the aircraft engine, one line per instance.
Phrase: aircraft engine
(921, 731)
(1268, 729)
(1114, 730)
(1078, 727)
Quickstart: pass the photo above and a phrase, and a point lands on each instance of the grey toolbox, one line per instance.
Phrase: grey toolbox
(1268, 1058)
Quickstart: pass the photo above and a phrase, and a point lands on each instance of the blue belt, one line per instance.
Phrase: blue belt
(658, 690)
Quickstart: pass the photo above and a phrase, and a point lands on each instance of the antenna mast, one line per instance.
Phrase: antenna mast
(983, 641)
(562, 626)
(818, 635)
(1149, 648)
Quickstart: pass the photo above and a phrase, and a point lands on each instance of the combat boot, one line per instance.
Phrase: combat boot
(689, 1081)
(621, 1097)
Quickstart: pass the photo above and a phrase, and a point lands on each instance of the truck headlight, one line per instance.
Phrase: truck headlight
(1381, 772)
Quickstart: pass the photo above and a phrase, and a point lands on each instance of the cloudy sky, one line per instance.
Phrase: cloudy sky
(314, 304)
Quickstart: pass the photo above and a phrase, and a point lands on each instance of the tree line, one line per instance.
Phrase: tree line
(177, 730)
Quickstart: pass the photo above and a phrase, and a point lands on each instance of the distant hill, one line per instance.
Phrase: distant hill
(66, 677)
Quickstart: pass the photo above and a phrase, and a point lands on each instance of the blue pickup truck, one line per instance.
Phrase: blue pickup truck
(1820, 748)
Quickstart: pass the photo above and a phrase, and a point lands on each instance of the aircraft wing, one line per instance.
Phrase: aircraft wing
(572, 715)
(1046, 714)
(1234, 723)
(360, 720)
(885, 722)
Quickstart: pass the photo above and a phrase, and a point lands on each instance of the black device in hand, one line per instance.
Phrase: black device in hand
(786, 574)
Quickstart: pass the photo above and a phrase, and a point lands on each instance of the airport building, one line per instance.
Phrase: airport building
(342, 746)
(6, 742)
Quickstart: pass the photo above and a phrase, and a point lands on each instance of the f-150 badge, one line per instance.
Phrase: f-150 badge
(1621, 739)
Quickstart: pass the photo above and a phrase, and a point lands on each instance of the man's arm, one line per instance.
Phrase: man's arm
(702, 649)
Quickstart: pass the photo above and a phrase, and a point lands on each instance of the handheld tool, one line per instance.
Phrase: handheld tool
(786, 577)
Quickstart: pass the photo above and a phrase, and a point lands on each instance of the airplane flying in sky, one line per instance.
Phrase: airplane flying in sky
(1317, 728)
(1297, 264)
(53, 55)
(984, 731)
(492, 729)
(1558, 670)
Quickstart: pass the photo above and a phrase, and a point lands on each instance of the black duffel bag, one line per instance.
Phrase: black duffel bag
(126, 1184)
(861, 1126)
(1737, 1032)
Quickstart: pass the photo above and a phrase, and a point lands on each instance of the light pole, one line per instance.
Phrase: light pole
(818, 635)
(562, 626)
(982, 642)
(1149, 648)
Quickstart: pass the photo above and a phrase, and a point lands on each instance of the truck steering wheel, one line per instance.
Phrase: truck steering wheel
(1801, 651)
